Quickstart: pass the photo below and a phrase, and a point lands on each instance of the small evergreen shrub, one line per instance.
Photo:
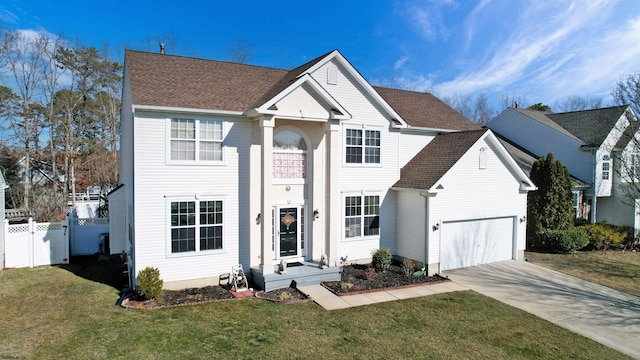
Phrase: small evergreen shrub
(603, 236)
(568, 240)
(381, 259)
(149, 282)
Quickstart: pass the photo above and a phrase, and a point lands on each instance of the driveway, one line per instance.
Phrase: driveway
(600, 313)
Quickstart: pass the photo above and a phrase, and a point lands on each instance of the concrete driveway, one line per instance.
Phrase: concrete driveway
(600, 313)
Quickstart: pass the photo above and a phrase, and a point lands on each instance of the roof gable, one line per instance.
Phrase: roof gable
(439, 156)
(170, 81)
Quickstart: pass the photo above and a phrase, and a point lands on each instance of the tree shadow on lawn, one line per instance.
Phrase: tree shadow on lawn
(109, 272)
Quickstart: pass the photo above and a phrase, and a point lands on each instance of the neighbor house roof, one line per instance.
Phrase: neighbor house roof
(185, 82)
(590, 127)
(435, 159)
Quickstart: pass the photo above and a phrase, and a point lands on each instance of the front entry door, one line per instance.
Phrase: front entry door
(288, 231)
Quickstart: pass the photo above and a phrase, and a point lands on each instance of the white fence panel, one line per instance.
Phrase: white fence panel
(85, 234)
(51, 245)
(18, 246)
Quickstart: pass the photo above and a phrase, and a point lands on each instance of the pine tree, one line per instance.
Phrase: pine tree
(550, 207)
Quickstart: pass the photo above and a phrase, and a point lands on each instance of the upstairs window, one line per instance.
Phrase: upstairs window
(196, 140)
(362, 146)
(289, 155)
(606, 167)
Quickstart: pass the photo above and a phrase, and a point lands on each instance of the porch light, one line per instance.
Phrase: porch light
(436, 227)
(259, 219)
(316, 214)
(523, 219)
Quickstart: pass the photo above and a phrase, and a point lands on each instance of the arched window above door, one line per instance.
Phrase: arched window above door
(289, 155)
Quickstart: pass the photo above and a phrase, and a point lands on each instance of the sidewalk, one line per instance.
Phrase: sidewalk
(330, 301)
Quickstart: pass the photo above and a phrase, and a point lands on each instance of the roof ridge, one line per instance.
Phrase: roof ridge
(587, 110)
(204, 59)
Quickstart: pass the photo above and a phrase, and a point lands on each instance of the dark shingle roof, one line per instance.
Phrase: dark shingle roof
(184, 82)
(435, 159)
(176, 81)
(588, 126)
(425, 110)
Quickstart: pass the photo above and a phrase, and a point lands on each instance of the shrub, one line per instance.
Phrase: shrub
(603, 236)
(567, 240)
(149, 282)
(381, 259)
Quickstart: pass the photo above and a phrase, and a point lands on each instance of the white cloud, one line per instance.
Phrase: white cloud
(8, 17)
(545, 42)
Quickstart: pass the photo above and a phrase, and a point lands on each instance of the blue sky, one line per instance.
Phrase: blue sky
(540, 50)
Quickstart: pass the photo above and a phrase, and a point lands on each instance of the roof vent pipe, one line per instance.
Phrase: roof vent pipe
(161, 48)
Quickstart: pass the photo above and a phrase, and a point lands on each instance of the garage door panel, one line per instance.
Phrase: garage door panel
(474, 242)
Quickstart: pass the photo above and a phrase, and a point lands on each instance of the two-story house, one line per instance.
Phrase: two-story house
(225, 164)
(598, 147)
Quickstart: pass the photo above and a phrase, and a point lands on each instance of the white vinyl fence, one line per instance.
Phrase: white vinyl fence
(36, 244)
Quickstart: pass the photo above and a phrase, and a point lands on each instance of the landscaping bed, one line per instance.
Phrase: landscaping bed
(194, 296)
(358, 279)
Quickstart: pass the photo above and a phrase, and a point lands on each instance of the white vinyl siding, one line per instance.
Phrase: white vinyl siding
(157, 182)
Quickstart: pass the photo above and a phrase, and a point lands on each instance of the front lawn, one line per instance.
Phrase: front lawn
(50, 312)
(614, 269)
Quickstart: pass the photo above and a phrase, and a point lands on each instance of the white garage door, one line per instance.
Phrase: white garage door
(475, 242)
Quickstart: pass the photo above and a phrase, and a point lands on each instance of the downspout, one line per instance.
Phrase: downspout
(425, 194)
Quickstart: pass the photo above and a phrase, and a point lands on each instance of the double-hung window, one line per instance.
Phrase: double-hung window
(196, 226)
(196, 140)
(362, 146)
(361, 216)
(606, 167)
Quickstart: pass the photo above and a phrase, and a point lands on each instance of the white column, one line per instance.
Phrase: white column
(266, 253)
(334, 163)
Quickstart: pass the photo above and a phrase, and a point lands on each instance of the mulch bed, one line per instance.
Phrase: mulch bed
(194, 296)
(354, 280)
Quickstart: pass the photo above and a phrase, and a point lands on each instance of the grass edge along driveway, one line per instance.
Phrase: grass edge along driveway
(49, 312)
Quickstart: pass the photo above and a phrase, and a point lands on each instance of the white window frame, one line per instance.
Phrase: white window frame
(197, 140)
(197, 200)
(307, 154)
(606, 173)
(362, 195)
(363, 146)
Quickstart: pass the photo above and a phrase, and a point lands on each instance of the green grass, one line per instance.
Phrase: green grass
(52, 313)
(615, 269)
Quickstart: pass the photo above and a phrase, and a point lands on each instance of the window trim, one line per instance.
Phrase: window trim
(197, 200)
(606, 160)
(197, 141)
(364, 128)
(343, 216)
(308, 154)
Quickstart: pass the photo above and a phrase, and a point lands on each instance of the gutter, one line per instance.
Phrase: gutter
(172, 109)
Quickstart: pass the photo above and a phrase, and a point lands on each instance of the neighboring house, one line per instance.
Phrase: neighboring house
(225, 164)
(597, 148)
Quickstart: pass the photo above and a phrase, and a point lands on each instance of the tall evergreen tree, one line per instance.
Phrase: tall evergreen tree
(550, 207)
